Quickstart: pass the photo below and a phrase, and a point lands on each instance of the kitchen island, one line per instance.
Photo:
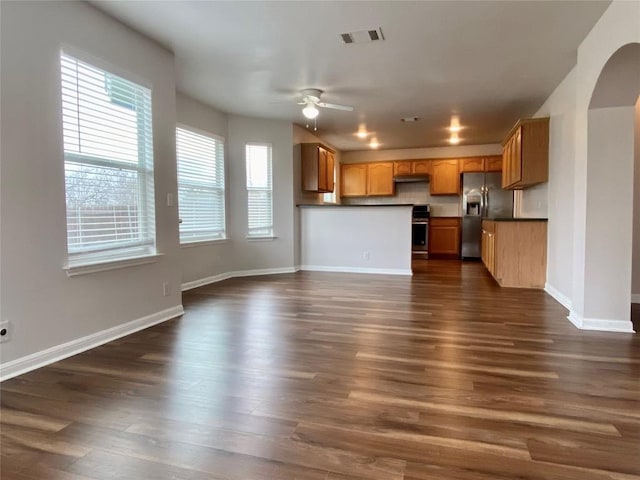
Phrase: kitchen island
(356, 238)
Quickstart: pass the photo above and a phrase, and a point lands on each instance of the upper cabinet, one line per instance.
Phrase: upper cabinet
(445, 177)
(421, 167)
(318, 166)
(367, 179)
(525, 154)
(376, 178)
(353, 180)
(380, 179)
(402, 168)
(493, 164)
(472, 164)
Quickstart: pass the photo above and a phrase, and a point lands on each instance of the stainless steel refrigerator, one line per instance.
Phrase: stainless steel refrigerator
(482, 197)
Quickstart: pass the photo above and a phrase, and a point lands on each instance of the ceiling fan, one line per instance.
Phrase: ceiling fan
(311, 101)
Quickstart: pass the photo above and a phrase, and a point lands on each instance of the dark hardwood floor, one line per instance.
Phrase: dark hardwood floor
(338, 377)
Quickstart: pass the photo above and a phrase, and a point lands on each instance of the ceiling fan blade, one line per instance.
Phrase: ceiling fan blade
(335, 106)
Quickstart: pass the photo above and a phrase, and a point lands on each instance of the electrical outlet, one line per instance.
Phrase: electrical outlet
(366, 255)
(166, 289)
(5, 331)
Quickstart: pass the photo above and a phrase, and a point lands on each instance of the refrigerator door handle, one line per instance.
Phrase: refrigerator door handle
(486, 201)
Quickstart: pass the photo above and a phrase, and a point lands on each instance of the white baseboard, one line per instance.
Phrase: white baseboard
(635, 298)
(262, 271)
(341, 269)
(205, 281)
(560, 297)
(600, 324)
(60, 352)
(240, 273)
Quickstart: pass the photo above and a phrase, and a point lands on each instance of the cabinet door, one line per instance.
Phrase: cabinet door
(322, 169)
(331, 173)
(353, 180)
(444, 236)
(380, 179)
(516, 162)
(421, 166)
(445, 178)
(493, 164)
(469, 165)
(506, 163)
(402, 168)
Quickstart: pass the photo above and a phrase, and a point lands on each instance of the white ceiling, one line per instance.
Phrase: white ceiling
(488, 62)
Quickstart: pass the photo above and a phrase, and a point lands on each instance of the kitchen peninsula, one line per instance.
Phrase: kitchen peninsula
(356, 238)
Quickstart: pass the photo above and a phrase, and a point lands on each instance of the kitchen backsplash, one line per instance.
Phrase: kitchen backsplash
(416, 193)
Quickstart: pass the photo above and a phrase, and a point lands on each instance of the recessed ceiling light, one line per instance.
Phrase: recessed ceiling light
(454, 126)
(454, 139)
(362, 131)
(409, 119)
(374, 143)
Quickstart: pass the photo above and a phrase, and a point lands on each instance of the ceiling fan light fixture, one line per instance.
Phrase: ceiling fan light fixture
(310, 111)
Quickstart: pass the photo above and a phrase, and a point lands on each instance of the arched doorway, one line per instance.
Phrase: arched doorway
(610, 186)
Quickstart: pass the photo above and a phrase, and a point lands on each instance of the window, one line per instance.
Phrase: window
(200, 186)
(259, 190)
(108, 160)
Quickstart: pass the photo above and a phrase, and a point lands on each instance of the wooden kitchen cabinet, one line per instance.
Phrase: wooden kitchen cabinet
(380, 179)
(444, 237)
(318, 164)
(353, 180)
(515, 252)
(525, 154)
(488, 245)
(421, 167)
(493, 164)
(472, 165)
(445, 177)
(367, 179)
(402, 168)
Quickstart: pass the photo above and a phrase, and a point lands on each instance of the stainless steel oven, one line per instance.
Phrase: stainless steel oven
(420, 229)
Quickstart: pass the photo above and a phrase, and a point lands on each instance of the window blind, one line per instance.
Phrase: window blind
(200, 186)
(259, 190)
(108, 158)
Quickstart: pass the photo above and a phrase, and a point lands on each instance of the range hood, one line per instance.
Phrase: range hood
(411, 178)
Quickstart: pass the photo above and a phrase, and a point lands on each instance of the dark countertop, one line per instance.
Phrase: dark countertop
(305, 205)
(511, 219)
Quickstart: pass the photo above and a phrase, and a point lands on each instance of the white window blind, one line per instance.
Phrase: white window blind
(108, 159)
(259, 190)
(200, 186)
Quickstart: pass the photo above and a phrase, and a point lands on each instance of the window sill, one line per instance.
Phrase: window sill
(203, 243)
(261, 239)
(105, 265)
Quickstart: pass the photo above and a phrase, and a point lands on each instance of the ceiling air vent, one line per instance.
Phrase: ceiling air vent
(362, 36)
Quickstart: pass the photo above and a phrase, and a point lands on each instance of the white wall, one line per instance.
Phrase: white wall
(46, 307)
(336, 239)
(259, 254)
(609, 218)
(635, 281)
(617, 27)
(302, 135)
(560, 107)
(201, 261)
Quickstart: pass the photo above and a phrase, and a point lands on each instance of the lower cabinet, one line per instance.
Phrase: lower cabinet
(444, 237)
(515, 252)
